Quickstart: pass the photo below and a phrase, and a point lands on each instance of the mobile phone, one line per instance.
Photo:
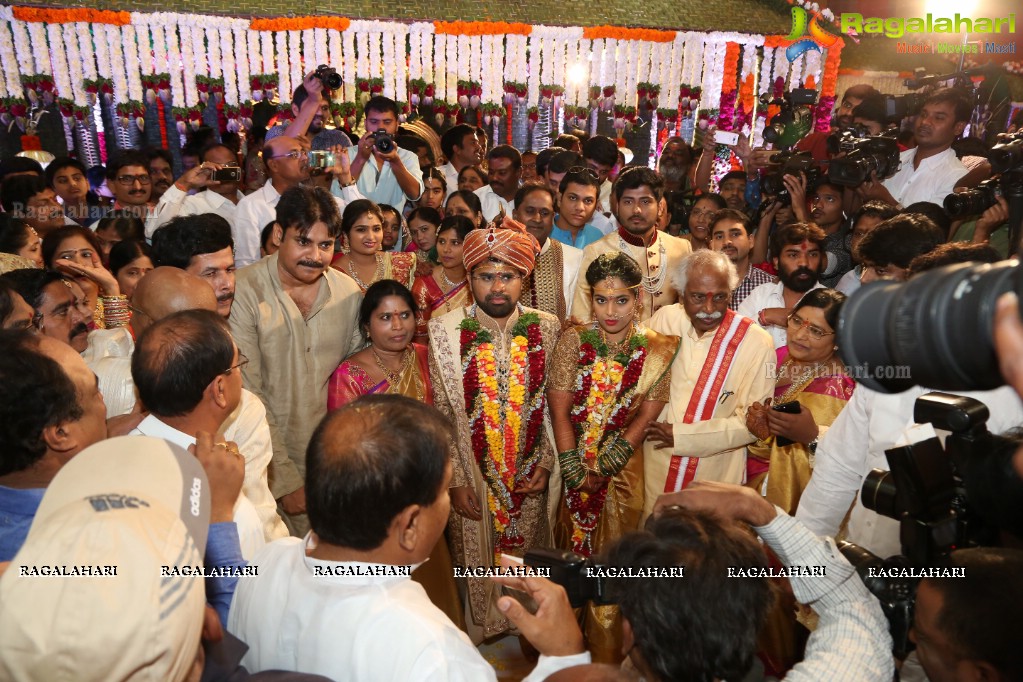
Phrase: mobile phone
(792, 407)
(319, 159)
(725, 137)
(227, 174)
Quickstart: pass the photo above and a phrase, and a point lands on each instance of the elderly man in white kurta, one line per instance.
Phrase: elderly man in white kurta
(638, 192)
(724, 364)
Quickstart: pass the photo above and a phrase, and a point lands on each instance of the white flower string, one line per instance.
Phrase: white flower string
(349, 63)
(58, 52)
(440, 67)
(398, 36)
(11, 80)
(23, 50)
(40, 51)
(296, 73)
(117, 64)
(75, 66)
(452, 69)
(389, 71)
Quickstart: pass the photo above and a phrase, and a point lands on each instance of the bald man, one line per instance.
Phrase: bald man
(161, 293)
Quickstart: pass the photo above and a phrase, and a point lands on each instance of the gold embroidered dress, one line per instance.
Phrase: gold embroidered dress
(587, 523)
(511, 524)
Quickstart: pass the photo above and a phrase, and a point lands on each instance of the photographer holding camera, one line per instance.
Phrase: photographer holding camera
(384, 172)
(310, 104)
(931, 169)
(216, 182)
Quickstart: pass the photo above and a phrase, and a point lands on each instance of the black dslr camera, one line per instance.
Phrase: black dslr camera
(791, 163)
(329, 76)
(877, 154)
(924, 491)
(383, 142)
(844, 139)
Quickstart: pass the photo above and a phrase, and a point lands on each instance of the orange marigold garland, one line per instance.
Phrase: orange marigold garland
(71, 16)
(505, 425)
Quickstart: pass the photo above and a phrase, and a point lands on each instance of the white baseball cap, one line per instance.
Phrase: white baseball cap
(85, 598)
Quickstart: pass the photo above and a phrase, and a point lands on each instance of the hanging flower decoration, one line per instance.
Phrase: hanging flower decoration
(480, 28)
(648, 94)
(532, 116)
(71, 16)
(515, 90)
(620, 33)
(300, 23)
(822, 113)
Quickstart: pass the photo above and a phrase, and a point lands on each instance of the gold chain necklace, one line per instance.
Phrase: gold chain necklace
(394, 378)
(614, 348)
(378, 274)
(802, 380)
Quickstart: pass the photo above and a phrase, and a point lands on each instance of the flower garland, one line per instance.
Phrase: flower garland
(822, 114)
(348, 64)
(505, 429)
(619, 33)
(605, 390)
(480, 28)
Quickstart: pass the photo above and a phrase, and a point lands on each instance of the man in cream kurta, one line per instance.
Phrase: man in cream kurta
(638, 192)
(291, 358)
(727, 362)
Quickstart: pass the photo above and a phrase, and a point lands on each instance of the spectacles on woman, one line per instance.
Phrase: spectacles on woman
(797, 323)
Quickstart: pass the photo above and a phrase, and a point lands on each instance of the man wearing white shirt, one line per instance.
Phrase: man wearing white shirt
(387, 177)
(462, 148)
(551, 285)
(601, 154)
(504, 169)
(287, 164)
(341, 601)
(930, 170)
(869, 424)
(188, 373)
(796, 254)
(211, 197)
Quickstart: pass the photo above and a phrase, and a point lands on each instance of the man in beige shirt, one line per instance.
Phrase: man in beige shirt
(638, 192)
(295, 320)
(725, 363)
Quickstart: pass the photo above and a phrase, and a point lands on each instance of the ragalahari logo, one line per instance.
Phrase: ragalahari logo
(803, 21)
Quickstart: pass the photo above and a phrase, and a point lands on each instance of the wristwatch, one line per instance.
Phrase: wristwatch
(812, 447)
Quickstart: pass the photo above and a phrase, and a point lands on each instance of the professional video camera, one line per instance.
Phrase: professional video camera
(878, 154)
(898, 107)
(794, 120)
(790, 163)
(843, 140)
(924, 491)
(329, 76)
(974, 201)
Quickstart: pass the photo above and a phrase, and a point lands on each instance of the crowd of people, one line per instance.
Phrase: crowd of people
(333, 381)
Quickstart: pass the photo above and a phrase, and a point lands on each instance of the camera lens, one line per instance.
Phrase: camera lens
(333, 81)
(851, 171)
(1004, 157)
(878, 493)
(383, 142)
(970, 202)
(935, 330)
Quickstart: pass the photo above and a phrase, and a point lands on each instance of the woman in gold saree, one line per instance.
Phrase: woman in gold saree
(809, 373)
(393, 364)
(609, 379)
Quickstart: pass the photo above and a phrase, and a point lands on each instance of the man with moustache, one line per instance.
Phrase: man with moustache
(200, 245)
(210, 196)
(461, 148)
(724, 364)
(796, 253)
(730, 234)
(504, 169)
(161, 171)
(295, 319)
(638, 192)
(129, 181)
(488, 365)
(60, 312)
(551, 285)
(674, 165)
(930, 170)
